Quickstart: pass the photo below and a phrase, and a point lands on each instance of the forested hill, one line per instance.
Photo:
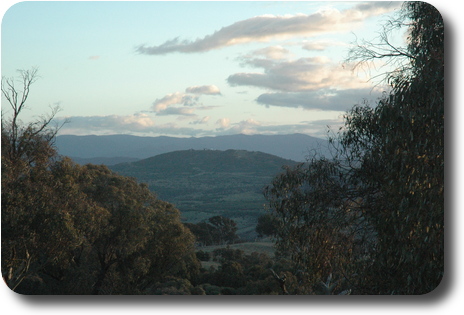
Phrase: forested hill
(204, 183)
(194, 162)
(82, 148)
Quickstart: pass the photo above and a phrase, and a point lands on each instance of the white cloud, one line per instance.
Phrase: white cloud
(246, 127)
(223, 122)
(108, 124)
(204, 89)
(169, 104)
(265, 27)
(272, 52)
(317, 128)
(138, 124)
(174, 99)
(304, 74)
(320, 45)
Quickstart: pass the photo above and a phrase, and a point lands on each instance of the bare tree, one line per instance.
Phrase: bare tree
(364, 54)
(16, 92)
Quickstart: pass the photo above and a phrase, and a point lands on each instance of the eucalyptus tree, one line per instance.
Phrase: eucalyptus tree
(374, 214)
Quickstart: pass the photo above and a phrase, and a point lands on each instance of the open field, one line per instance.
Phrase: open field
(265, 246)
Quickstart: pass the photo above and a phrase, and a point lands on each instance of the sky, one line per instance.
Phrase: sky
(193, 68)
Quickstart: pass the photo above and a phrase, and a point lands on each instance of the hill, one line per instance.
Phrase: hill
(295, 146)
(205, 183)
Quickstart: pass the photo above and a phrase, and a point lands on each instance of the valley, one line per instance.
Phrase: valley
(205, 183)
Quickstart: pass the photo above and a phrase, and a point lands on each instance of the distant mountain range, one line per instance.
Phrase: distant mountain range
(205, 183)
(115, 149)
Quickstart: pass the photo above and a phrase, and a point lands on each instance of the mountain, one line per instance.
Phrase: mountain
(295, 146)
(205, 183)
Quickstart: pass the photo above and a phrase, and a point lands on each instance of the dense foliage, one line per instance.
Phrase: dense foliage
(374, 213)
(70, 229)
(217, 230)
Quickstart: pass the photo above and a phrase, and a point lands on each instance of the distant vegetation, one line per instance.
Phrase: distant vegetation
(205, 183)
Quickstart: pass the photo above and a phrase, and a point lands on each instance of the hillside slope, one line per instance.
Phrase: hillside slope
(205, 183)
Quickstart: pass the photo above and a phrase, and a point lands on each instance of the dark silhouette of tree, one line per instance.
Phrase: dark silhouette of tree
(225, 229)
(70, 229)
(267, 225)
(374, 214)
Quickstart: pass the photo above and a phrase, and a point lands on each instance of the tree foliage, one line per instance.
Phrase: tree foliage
(70, 229)
(216, 230)
(374, 214)
(267, 225)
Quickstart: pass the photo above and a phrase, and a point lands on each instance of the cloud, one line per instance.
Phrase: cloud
(140, 124)
(179, 111)
(223, 122)
(272, 52)
(111, 123)
(316, 128)
(191, 98)
(325, 99)
(204, 89)
(246, 127)
(174, 99)
(201, 121)
(320, 45)
(266, 27)
(304, 74)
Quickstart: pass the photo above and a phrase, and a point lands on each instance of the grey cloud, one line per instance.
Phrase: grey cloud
(377, 7)
(328, 99)
(180, 111)
(263, 28)
(201, 121)
(293, 76)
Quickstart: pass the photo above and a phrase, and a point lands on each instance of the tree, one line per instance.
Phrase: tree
(36, 227)
(384, 189)
(203, 232)
(70, 229)
(319, 223)
(225, 229)
(216, 230)
(267, 225)
(411, 243)
(141, 241)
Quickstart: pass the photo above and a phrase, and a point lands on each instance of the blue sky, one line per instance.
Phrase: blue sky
(192, 68)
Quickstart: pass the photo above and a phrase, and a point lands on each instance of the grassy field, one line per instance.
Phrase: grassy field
(265, 246)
